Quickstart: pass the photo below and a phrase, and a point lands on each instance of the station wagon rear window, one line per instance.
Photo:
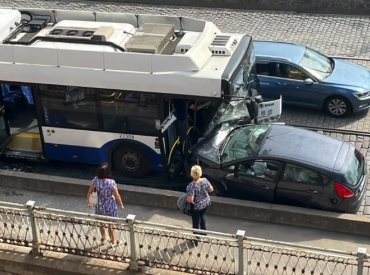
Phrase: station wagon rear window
(244, 143)
(355, 169)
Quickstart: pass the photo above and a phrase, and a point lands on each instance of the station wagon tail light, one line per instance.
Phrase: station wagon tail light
(343, 192)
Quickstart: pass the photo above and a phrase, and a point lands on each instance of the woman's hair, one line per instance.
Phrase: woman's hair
(104, 172)
(196, 172)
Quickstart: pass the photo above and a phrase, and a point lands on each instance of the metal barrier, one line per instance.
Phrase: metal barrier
(168, 247)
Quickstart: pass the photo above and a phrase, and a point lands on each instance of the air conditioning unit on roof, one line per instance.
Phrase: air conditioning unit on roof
(223, 44)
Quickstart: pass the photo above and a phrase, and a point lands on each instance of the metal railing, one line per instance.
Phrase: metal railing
(165, 246)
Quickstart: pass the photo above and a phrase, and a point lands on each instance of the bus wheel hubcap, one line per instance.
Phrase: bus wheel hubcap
(131, 161)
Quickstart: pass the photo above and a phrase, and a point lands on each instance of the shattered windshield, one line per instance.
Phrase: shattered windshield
(244, 143)
(244, 84)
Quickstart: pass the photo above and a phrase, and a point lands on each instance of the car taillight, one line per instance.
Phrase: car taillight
(343, 192)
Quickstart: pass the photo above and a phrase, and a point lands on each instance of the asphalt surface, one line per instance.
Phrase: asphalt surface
(298, 235)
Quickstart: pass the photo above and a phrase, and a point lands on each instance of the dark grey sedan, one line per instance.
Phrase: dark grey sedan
(284, 165)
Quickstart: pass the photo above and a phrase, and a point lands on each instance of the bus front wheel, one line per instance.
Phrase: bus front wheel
(132, 161)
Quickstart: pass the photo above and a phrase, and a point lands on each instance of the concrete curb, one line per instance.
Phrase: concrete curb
(263, 212)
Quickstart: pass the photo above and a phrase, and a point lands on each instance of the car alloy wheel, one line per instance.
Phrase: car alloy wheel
(337, 107)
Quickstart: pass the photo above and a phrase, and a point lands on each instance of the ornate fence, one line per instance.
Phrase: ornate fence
(168, 247)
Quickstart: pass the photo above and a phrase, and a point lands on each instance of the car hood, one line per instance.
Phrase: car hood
(208, 149)
(346, 73)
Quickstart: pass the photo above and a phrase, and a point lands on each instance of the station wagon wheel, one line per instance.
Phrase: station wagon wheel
(338, 106)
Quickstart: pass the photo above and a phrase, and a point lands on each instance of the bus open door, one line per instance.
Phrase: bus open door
(5, 134)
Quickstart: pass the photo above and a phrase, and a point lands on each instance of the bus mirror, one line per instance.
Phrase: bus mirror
(252, 107)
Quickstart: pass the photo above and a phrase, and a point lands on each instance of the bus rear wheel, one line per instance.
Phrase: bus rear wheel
(132, 161)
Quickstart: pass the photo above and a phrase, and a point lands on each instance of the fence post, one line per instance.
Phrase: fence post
(240, 234)
(35, 238)
(134, 265)
(361, 253)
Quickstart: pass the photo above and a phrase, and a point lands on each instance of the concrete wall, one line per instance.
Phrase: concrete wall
(316, 6)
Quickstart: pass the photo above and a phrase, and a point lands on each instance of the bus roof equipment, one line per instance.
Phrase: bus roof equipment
(164, 54)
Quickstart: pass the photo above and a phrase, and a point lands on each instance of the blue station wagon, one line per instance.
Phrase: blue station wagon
(307, 78)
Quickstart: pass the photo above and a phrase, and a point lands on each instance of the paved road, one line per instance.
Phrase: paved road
(336, 35)
(298, 235)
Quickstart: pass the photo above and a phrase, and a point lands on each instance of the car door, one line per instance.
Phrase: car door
(298, 88)
(299, 186)
(254, 180)
(266, 72)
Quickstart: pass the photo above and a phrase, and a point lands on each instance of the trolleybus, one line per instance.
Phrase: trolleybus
(96, 87)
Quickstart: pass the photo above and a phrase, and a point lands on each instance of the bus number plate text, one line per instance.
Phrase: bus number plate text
(126, 136)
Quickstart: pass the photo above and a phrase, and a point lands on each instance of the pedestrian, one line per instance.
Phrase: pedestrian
(198, 195)
(108, 197)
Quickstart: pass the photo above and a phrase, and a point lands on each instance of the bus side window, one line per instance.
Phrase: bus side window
(70, 107)
(129, 112)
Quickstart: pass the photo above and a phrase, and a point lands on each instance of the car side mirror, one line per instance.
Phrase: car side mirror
(308, 81)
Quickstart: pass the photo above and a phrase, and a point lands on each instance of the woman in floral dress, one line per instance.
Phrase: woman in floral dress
(108, 197)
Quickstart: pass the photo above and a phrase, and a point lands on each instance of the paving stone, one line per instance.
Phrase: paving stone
(365, 144)
(367, 210)
(367, 201)
(346, 138)
(361, 210)
(352, 138)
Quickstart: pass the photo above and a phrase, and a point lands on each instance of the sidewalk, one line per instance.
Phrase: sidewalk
(298, 235)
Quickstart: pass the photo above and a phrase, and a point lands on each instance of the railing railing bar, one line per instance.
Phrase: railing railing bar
(53, 211)
(13, 204)
(232, 236)
(306, 247)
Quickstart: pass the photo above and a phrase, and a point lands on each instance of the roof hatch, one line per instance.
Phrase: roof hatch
(150, 38)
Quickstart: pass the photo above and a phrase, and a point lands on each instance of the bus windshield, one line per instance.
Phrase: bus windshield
(243, 85)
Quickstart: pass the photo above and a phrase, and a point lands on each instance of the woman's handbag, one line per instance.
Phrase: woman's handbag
(93, 197)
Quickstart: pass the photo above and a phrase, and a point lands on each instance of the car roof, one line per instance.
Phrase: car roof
(279, 50)
(301, 145)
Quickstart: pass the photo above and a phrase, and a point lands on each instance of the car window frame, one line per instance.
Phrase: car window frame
(277, 176)
(281, 178)
(288, 63)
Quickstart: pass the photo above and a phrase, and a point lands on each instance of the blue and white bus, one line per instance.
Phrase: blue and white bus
(96, 87)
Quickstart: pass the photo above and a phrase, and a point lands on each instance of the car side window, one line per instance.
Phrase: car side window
(265, 69)
(301, 174)
(266, 170)
(289, 71)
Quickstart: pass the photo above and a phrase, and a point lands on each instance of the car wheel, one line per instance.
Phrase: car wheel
(338, 106)
(132, 161)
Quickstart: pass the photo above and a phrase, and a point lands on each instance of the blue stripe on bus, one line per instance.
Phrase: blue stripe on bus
(93, 155)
